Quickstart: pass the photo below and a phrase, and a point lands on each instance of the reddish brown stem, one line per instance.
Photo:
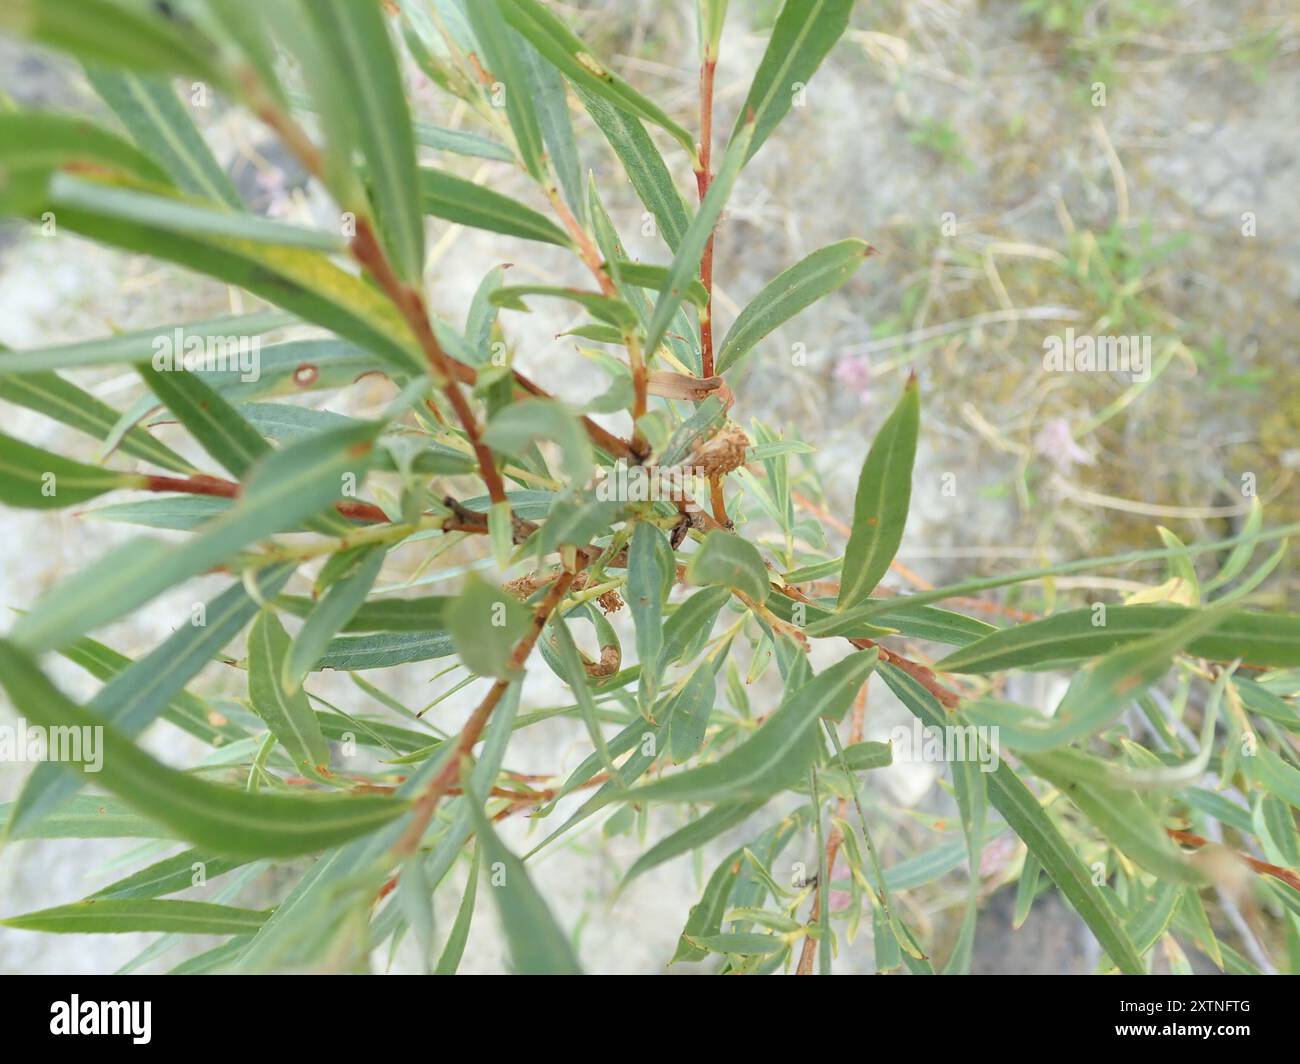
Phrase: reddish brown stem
(615, 446)
(595, 262)
(703, 176)
(922, 675)
(229, 489)
(309, 156)
(368, 252)
(469, 735)
(587, 250)
(1186, 838)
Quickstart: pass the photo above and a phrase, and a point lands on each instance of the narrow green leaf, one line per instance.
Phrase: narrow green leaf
(120, 35)
(1119, 814)
(552, 105)
(330, 615)
(971, 791)
(454, 948)
(538, 946)
(1152, 915)
(782, 298)
(720, 818)
(646, 583)
(711, 15)
(225, 820)
(1264, 639)
(283, 489)
(385, 649)
(1025, 815)
(1102, 690)
(690, 624)
(648, 275)
(740, 942)
(179, 513)
(731, 561)
(49, 394)
(1026, 890)
(936, 625)
(288, 715)
(355, 39)
(805, 31)
(461, 142)
(444, 195)
(644, 165)
(575, 675)
(1197, 921)
(571, 56)
(483, 314)
(505, 62)
(124, 348)
(880, 507)
(213, 422)
(693, 706)
(85, 817)
(33, 479)
(157, 121)
(820, 622)
(303, 281)
(136, 693)
(115, 917)
(1239, 557)
(1276, 829)
(1181, 568)
(427, 614)
(706, 915)
(190, 868)
(1267, 770)
(606, 308)
(485, 623)
(773, 757)
(864, 756)
(181, 217)
(686, 261)
(46, 140)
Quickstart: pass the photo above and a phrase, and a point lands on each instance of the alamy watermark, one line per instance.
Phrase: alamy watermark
(77, 1017)
(624, 483)
(222, 354)
(1098, 354)
(952, 742)
(75, 744)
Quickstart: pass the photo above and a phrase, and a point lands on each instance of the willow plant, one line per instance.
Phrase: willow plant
(1160, 792)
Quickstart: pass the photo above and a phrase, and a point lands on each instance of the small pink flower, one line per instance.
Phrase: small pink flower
(272, 182)
(854, 371)
(997, 855)
(1056, 443)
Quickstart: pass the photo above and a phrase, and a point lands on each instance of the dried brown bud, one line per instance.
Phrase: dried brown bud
(723, 453)
(522, 587)
(610, 660)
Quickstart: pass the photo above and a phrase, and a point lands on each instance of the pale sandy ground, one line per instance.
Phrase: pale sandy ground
(841, 166)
